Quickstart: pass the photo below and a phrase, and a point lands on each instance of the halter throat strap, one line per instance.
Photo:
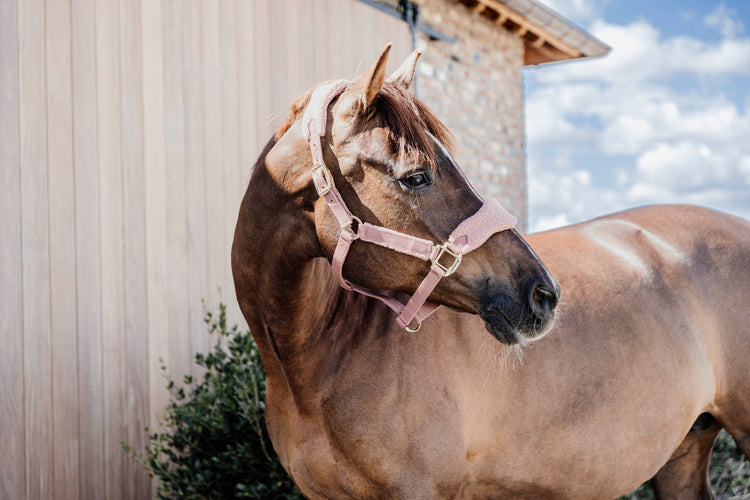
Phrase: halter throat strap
(445, 257)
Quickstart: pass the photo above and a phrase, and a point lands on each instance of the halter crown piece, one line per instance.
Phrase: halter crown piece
(445, 257)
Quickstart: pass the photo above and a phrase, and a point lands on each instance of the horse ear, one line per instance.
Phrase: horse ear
(405, 73)
(363, 91)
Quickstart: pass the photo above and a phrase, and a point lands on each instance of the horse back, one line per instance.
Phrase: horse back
(676, 247)
(687, 267)
(651, 323)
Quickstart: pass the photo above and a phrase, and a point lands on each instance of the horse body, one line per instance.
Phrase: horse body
(593, 409)
(648, 359)
(652, 308)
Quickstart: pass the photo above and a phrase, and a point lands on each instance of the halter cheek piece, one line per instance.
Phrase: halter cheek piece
(445, 257)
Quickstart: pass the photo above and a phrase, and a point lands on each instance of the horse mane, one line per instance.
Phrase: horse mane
(406, 119)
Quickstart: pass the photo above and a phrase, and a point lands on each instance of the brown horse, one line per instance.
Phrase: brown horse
(648, 358)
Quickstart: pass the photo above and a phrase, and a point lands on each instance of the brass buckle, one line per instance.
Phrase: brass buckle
(448, 269)
(322, 190)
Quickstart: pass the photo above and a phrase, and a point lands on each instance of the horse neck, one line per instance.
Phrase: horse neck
(298, 314)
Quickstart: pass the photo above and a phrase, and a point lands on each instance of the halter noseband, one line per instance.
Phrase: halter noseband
(469, 235)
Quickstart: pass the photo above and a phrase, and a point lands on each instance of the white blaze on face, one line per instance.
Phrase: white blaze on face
(454, 164)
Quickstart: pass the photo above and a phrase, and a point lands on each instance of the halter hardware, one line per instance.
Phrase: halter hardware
(325, 188)
(456, 259)
(352, 230)
(413, 330)
(472, 232)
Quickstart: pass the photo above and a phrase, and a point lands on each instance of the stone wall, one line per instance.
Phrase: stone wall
(474, 85)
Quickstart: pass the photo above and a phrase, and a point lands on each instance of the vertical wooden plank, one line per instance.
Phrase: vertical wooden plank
(251, 139)
(266, 76)
(369, 37)
(293, 13)
(279, 70)
(35, 220)
(194, 162)
(319, 15)
(346, 35)
(390, 31)
(318, 44)
(380, 37)
(12, 460)
(111, 233)
(135, 383)
(217, 248)
(307, 32)
(88, 261)
(174, 149)
(362, 25)
(62, 248)
(230, 141)
(156, 204)
(374, 29)
(331, 33)
(398, 33)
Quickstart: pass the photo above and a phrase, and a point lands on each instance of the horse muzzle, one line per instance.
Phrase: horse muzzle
(529, 318)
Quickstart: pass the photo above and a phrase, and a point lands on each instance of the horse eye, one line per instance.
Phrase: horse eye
(416, 180)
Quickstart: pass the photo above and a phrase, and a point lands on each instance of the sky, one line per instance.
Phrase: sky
(663, 118)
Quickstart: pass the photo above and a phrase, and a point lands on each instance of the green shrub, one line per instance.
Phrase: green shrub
(214, 443)
(730, 470)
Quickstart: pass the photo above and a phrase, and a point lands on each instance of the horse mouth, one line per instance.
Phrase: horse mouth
(500, 326)
(511, 323)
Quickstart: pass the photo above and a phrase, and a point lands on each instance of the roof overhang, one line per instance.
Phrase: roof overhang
(548, 37)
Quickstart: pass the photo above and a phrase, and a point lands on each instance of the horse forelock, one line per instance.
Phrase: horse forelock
(408, 121)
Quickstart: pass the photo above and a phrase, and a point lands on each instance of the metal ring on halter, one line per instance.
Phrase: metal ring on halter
(359, 223)
(412, 330)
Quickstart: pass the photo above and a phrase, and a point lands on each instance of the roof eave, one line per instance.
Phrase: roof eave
(547, 36)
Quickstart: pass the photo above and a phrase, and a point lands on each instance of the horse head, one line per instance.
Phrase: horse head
(388, 160)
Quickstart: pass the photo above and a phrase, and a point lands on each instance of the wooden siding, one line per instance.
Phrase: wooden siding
(127, 132)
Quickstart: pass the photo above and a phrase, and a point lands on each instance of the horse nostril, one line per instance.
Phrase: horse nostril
(543, 300)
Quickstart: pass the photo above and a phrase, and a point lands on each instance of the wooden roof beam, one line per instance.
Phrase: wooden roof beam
(539, 42)
(484, 10)
(545, 45)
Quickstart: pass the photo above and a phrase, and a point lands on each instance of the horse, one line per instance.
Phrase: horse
(574, 363)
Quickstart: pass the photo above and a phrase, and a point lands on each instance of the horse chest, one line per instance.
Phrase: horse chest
(374, 439)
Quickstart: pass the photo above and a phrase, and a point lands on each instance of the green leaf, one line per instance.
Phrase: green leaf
(215, 443)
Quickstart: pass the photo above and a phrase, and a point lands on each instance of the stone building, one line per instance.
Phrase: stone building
(471, 77)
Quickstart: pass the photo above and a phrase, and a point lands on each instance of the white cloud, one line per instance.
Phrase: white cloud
(563, 197)
(639, 54)
(550, 109)
(579, 10)
(682, 166)
(729, 57)
(664, 142)
(643, 120)
(626, 133)
(725, 20)
(745, 168)
(545, 223)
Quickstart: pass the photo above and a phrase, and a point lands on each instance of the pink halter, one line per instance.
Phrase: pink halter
(469, 235)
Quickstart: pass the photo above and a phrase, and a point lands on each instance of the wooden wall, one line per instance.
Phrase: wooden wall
(127, 132)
